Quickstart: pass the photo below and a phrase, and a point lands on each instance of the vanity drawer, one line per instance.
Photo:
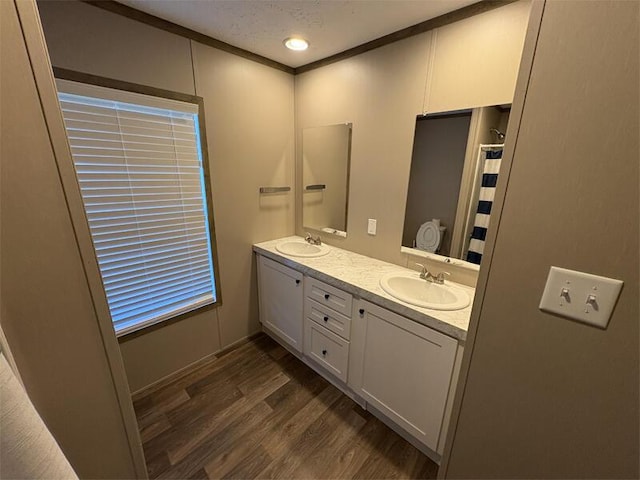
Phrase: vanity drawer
(326, 348)
(328, 296)
(328, 318)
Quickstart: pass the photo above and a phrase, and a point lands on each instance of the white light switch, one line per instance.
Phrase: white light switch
(371, 226)
(580, 296)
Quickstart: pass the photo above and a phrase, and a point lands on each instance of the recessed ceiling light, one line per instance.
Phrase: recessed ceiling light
(296, 43)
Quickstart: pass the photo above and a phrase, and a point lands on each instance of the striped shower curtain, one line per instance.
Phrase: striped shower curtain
(491, 157)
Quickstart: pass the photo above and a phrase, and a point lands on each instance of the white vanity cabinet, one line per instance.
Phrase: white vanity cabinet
(399, 369)
(281, 294)
(403, 369)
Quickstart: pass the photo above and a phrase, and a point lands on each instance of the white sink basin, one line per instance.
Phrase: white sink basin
(299, 248)
(412, 289)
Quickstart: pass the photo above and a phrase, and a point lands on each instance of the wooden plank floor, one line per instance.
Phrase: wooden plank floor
(258, 412)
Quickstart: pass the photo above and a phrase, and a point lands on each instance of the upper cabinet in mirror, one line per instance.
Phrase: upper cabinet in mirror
(326, 152)
(454, 169)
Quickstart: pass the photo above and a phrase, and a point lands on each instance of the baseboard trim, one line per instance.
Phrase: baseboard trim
(173, 376)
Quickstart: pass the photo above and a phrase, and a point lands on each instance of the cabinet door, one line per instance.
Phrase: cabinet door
(281, 301)
(403, 369)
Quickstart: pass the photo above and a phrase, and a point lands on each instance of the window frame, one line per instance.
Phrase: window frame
(89, 79)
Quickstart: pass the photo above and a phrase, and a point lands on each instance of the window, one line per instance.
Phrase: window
(138, 159)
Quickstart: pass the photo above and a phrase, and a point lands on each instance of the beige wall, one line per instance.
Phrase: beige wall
(249, 121)
(383, 90)
(474, 62)
(87, 39)
(546, 397)
(71, 372)
(152, 355)
(249, 114)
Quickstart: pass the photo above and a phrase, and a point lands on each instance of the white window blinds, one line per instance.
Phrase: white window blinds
(140, 171)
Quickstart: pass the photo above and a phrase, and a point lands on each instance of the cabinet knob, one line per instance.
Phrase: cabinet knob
(297, 282)
(361, 311)
(326, 296)
(324, 352)
(326, 319)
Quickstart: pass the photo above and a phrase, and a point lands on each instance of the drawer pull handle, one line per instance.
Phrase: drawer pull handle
(297, 282)
(361, 311)
(326, 296)
(324, 352)
(326, 319)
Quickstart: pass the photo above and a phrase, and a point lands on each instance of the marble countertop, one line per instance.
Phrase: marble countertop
(360, 276)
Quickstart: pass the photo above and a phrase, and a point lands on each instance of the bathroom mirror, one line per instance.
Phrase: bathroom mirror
(326, 152)
(454, 168)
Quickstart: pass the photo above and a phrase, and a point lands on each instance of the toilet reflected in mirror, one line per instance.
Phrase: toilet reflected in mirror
(452, 181)
(430, 235)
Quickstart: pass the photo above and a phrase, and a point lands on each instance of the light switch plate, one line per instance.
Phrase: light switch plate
(580, 296)
(372, 226)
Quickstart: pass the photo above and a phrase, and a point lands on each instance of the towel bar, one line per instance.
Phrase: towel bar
(274, 189)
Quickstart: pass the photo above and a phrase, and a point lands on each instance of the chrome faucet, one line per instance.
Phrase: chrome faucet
(312, 240)
(440, 278)
(430, 277)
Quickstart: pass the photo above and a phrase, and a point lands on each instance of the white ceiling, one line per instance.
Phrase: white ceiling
(330, 26)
